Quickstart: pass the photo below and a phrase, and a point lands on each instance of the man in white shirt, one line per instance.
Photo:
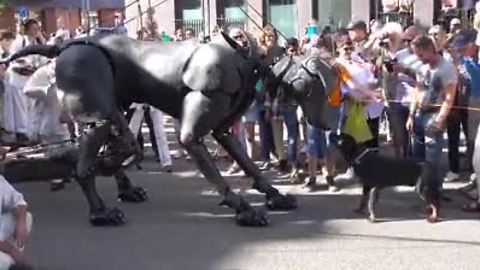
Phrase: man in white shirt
(162, 152)
(16, 76)
(63, 33)
(50, 122)
(15, 225)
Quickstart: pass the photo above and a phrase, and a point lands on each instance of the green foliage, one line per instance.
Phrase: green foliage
(3, 4)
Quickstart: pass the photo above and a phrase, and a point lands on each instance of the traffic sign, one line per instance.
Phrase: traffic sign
(23, 12)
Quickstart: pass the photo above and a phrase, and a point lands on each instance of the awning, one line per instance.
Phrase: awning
(69, 4)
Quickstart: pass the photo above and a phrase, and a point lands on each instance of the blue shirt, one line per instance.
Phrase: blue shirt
(473, 69)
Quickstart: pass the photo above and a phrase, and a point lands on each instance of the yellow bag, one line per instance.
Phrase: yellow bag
(356, 124)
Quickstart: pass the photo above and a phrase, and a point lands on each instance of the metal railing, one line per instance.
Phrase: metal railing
(196, 25)
(402, 17)
(226, 23)
(466, 16)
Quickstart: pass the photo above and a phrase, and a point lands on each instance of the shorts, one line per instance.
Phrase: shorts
(316, 142)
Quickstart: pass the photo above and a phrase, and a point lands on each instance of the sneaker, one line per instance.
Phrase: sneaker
(312, 181)
(348, 175)
(234, 169)
(57, 184)
(450, 177)
(283, 166)
(333, 189)
(167, 168)
(473, 177)
(178, 154)
(265, 165)
(331, 184)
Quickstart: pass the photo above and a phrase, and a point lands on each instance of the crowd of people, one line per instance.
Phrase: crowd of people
(414, 84)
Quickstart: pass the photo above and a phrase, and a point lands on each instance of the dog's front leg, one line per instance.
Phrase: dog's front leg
(363, 201)
(371, 204)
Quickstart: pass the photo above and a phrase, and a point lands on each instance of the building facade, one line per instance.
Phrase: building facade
(291, 16)
(288, 16)
(103, 13)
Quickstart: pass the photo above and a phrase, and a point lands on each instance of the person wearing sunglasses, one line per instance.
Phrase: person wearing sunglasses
(402, 84)
(466, 45)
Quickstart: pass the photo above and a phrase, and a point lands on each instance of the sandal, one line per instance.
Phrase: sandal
(471, 207)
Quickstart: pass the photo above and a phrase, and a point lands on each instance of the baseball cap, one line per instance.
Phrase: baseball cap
(464, 37)
(357, 25)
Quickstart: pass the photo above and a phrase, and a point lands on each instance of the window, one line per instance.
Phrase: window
(191, 9)
(282, 14)
(233, 9)
(336, 13)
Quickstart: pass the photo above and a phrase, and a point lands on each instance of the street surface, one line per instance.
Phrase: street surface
(182, 228)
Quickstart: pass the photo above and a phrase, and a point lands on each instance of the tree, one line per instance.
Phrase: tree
(3, 4)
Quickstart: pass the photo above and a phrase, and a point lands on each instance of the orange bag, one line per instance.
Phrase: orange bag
(335, 98)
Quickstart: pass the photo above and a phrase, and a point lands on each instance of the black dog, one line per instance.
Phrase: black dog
(377, 171)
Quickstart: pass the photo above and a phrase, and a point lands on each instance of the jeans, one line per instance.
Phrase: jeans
(267, 143)
(428, 146)
(455, 120)
(289, 113)
(397, 116)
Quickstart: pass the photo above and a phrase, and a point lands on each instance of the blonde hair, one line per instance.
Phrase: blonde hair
(393, 28)
(267, 31)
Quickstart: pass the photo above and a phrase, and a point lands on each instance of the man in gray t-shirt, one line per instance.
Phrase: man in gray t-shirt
(434, 96)
(433, 81)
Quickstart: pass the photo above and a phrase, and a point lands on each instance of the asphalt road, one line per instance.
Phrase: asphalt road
(181, 227)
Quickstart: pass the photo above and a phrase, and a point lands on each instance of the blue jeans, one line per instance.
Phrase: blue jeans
(289, 113)
(266, 136)
(397, 115)
(428, 147)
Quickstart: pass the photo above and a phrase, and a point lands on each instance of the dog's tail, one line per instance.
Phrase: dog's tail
(49, 51)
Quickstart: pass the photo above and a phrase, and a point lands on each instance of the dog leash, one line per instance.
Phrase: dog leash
(357, 160)
(386, 101)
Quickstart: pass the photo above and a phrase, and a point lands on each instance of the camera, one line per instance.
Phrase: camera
(383, 44)
(389, 64)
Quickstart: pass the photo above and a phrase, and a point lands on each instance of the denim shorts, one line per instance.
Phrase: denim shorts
(316, 142)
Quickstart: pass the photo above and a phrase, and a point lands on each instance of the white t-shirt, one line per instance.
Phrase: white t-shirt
(362, 74)
(13, 78)
(47, 108)
(406, 84)
(64, 34)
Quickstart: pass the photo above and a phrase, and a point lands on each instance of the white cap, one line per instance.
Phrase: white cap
(455, 21)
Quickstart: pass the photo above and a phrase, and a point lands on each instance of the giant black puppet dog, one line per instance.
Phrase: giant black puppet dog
(377, 171)
(206, 86)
